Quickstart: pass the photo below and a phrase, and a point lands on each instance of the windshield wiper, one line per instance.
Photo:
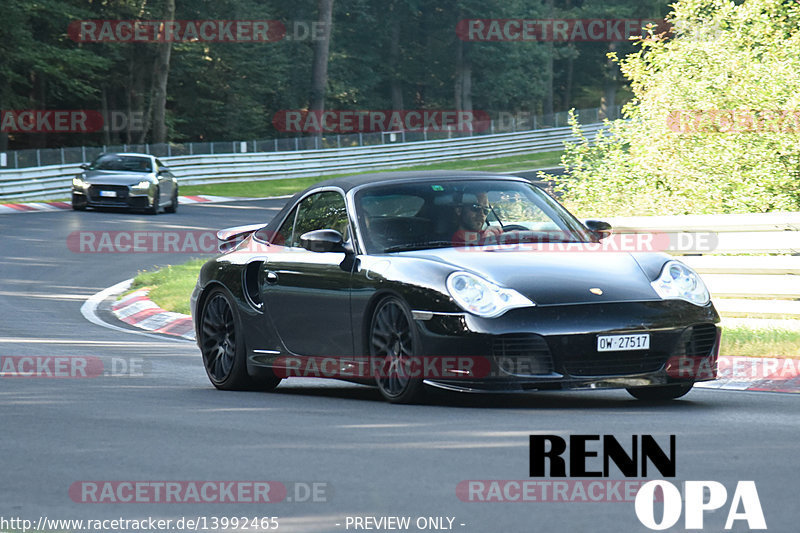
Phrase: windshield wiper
(418, 246)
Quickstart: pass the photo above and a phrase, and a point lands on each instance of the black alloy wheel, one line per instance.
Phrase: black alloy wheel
(393, 345)
(223, 349)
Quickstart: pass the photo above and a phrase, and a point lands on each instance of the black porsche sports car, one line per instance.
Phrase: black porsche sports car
(458, 280)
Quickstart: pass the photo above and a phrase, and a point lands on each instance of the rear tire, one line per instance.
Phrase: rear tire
(660, 393)
(173, 207)
(394, 340)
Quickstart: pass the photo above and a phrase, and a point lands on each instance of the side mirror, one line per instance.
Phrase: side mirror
(85, 166)
(599, 227)
(323, 240)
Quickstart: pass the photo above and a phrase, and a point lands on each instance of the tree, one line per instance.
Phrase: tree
(713, 126)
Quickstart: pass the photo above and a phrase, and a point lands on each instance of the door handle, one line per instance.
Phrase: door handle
(272, 277)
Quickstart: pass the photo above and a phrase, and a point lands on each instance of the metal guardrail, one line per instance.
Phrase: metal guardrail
(43, 183)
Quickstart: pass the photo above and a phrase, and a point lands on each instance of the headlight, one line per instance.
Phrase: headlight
(677, 281)
(79, 183)
(483, 298)
(143, 185)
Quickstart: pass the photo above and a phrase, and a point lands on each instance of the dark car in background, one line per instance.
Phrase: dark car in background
(374, 279)
(133, 181)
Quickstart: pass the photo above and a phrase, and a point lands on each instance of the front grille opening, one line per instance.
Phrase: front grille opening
(522, 354)
(700, 340)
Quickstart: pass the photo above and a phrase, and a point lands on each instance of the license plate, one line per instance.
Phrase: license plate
(108, 194)
(621, 343)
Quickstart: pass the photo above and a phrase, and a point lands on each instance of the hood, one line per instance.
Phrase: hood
(107, 177)
(553, 278)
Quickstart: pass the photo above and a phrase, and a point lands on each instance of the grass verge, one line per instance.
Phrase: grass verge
(280, 187)
(172, 286)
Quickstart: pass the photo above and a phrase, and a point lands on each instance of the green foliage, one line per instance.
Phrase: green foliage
(725, 57)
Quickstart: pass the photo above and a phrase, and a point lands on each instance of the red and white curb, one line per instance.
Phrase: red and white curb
(204, 199)
(138, 310)
(34, 206)
(60, 206)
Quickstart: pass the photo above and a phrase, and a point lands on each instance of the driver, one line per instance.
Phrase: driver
(472, 226)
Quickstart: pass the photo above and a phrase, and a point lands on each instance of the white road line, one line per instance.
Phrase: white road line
(89, 312)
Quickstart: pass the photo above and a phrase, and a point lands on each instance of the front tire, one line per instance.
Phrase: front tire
(78, 204)
(153, 209)
(394, 341)
(660, 393)
(223, 348)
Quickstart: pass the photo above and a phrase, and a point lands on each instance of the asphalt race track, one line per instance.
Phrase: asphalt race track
(164, 422)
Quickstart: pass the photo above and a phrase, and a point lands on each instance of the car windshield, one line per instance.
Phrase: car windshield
(122, 162)
(434, 214)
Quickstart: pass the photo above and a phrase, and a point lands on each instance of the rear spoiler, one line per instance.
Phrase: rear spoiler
(229, 238)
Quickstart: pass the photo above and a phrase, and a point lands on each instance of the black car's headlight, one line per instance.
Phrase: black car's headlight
(79, 183)
(678, 281)
(483, 298)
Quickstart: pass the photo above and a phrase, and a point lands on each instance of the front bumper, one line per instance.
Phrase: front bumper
(124, 197)
(555, 347)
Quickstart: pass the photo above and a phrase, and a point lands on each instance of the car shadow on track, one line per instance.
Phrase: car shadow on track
(615, 399)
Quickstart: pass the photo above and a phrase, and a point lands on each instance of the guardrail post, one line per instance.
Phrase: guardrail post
(147, 148)
(16, 159)
(360, 139)
(83, 154)
(38, 157)
(169, 149)
(296, 144)
(62, 155)
(191, 148)
(211, 144)
(338, 141)
(276, 144)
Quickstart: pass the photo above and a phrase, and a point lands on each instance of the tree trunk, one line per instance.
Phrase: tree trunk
(608, 102)
(158, 94)
(396, 83)
(319, 72)
(547, 104)
(135, 93)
